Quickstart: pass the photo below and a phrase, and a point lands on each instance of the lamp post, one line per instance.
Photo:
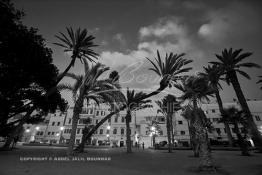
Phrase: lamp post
(61, 133)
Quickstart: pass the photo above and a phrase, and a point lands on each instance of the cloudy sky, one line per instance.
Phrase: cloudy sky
(128, 31)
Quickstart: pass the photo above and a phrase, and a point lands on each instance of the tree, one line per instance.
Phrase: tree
(27, 71)
(133, 104)
(169, 70)
(260, 81)
(213, 74)
(231, 62)
(79, 44)
(236, 117)
(196, 89)
(168, 106)
(88, 87)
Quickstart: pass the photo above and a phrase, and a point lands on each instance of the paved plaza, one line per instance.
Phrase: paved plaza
(117, 162)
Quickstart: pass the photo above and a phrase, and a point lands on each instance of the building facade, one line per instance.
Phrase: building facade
(57, 127)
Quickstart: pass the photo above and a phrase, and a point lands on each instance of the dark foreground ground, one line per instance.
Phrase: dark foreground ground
(144, 162)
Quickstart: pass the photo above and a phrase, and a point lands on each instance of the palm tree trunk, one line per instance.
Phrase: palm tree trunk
(243, 146)
(196, 144)
(257, 137)
(206, 161)
(172, 132)
(128, 132)
(221, 109)
(77, 111)
(168, 132)
(80, 148)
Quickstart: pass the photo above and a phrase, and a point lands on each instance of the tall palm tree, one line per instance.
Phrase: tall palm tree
(133, 104)
(170, 70)
(89, 87)
(231, 63)
(260, 81)
(167, 106)
(79, 44)
(213, 74)
(196, 89)
(236, 117)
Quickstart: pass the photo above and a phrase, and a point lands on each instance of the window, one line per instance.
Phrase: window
(109, 120)
(53, 133)
(182, 132)
(218, 131)
(206, 111)
(115, 131)
(161, 133)
(162, 119)
(81, 121)
(116, 118)
(97, 112)
(78, 131)
(213, 111)
(48, 133)
(91, 111)
(102, 113)
(69, 121)
(77, 141)
(122, 131)
(123, 119)
(58, 123)
(225, 130)
(96, 121)
(53, 124)
(257, 118)
(101, 131)
(180, 122)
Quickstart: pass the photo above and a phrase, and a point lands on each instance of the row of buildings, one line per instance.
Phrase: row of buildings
(57, 126)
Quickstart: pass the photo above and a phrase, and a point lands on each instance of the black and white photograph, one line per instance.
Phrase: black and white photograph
(130, 87)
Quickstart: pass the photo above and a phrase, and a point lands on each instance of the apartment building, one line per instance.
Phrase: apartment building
(57, 127)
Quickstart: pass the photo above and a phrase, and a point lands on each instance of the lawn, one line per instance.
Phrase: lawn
(145, 162)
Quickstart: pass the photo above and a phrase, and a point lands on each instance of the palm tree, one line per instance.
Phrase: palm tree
(79, 44)
(236, 117)
(168, 106)
(133, 104)
(260, 81)
(88, 87)
(231, 63)
(196, 89)
(213, 74)
(169, 70)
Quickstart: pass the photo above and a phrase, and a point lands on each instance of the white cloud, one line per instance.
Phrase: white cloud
(231, 22)
(163, 28)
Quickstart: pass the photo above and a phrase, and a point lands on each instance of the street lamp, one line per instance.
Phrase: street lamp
(61, 132)
(108, 127)
(37, 128)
